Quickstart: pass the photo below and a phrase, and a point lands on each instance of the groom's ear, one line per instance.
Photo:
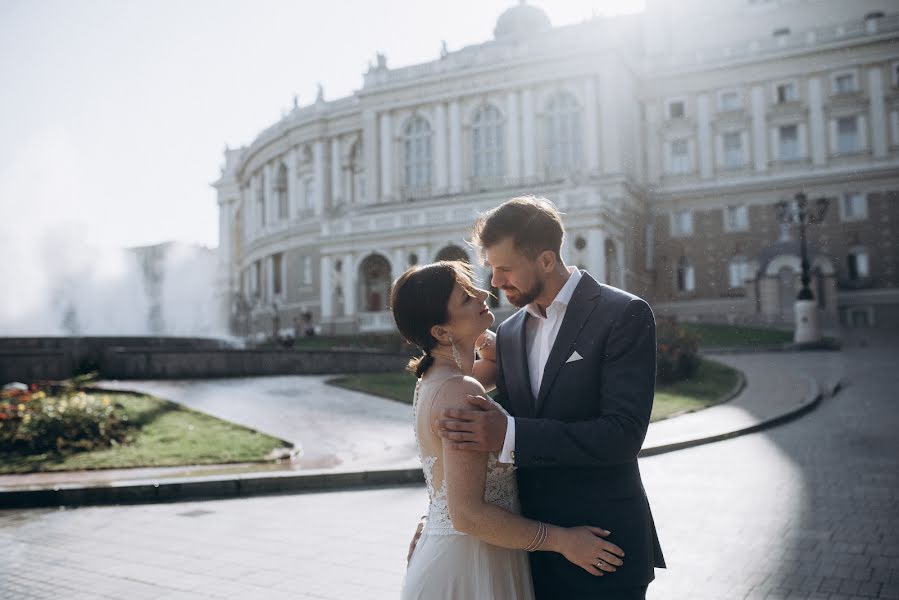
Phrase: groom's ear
(547, 260)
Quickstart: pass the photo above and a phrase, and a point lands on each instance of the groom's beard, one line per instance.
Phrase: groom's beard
(525, 298)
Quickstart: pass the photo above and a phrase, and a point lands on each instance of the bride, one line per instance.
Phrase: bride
(474, 544)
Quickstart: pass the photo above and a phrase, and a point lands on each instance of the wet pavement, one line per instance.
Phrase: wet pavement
(808, 509)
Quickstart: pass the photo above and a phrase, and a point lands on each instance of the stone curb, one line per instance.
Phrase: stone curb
(219, 487)
(810, 402)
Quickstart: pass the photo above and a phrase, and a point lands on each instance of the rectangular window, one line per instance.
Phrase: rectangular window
(788, 142)
(729, 101)
(676, 109)
(857, 264)
(847, 135)
(681, 223)
(736, 218)
(844, 84)
(737, 273)
(786, 92)
(277, 266)
(309, 193)
(680, 156)
(853, 207)
(733, 149)
(282, 204)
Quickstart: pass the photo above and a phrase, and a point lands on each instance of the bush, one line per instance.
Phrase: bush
(677, 352)
(33, 421)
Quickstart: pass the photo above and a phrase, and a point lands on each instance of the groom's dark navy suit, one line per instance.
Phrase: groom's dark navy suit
(576, 444)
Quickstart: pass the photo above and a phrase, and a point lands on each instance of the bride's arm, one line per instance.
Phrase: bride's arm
(466, 475)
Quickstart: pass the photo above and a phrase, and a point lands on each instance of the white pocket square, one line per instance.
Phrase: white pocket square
(574, 356)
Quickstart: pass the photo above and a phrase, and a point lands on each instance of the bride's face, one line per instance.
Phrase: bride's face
(468, 312)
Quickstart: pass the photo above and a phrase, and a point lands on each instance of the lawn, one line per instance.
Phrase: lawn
(167, 434)
(712, 383)
(719, 336)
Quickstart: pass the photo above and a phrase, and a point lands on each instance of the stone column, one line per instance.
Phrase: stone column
(441, 161)
(878, 113)
(591, 133)
(386, 132)
(596, 253)
(653, 142)
(609, 125)
(336, 180)
(370, 140)
(759, 127)
(318, 160)
(816, 122)
(513, 142)
(528, 135)
(704, 125)
(348, 285)
(455, 147)
(327, 288)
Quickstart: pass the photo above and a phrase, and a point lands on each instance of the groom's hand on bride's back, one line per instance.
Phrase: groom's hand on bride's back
(481, 428)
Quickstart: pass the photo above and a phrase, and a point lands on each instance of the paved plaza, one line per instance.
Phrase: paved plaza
(808, 509)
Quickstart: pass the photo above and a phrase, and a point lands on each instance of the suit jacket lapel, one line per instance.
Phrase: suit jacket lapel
(579, 309)
(518, 379)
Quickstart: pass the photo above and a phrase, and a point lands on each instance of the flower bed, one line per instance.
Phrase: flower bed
(48, 418)
(677, 352)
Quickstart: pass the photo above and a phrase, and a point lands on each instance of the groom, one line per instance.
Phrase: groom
(576, 370)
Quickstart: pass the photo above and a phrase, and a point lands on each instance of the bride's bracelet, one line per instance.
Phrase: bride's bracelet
(539, 538)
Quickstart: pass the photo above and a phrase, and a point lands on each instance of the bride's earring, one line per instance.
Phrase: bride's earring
(456, 356)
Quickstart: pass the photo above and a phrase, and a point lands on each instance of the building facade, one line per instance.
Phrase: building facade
(667, 139)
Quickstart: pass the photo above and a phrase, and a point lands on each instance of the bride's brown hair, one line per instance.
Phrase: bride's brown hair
(419, 301)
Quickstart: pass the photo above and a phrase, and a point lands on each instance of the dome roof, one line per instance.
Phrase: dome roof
(521, 20)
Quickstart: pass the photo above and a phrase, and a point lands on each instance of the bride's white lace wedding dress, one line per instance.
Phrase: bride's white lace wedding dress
(448, 564)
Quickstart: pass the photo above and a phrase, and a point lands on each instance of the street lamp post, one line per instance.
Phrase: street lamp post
(805, 308)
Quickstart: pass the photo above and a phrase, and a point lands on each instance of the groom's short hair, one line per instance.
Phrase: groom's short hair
(533, 223)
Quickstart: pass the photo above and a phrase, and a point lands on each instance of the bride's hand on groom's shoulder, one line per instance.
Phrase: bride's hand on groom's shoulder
(486, 346)
(586, 547)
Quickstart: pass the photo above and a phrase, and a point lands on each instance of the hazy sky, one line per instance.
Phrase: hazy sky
(114, 113)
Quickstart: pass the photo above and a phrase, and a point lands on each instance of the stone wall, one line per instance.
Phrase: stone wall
(30, 359)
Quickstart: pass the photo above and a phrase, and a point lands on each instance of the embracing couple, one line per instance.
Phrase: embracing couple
(536, 494)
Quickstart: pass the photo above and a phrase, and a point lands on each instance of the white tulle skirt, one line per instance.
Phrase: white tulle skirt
(462, 567)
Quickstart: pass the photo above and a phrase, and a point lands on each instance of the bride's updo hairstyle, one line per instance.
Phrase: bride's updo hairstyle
(419, 301)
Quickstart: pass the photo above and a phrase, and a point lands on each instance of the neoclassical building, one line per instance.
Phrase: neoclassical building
(667, 138)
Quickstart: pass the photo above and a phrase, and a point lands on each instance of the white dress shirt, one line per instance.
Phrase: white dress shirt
(540, 335)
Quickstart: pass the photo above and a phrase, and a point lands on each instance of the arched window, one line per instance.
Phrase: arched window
(857, 263)
(281, 192)
(686, 280)
(374, 280)
(487, 143)
(562, 133)
(417, 154)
